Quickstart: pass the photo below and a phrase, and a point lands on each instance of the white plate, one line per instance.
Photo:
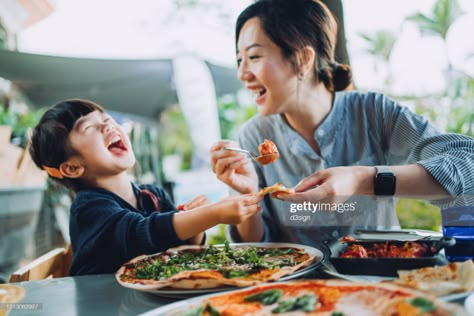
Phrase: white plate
(377, 279)
(469, 304)
(183, 293)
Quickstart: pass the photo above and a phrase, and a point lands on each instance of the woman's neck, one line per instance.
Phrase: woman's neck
(313, 106)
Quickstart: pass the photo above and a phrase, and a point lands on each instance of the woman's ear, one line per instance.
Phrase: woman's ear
(72, 168)
(306, 59)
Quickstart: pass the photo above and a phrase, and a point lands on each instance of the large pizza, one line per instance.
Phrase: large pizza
(206, 267)
(314, 297)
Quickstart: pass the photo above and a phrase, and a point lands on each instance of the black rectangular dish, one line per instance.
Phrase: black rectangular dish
(387, 266)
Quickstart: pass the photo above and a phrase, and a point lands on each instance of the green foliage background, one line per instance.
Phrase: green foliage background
(174, 133)
(418, 214)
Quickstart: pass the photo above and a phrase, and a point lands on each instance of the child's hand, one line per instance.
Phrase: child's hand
(238, 208)
(197, 201)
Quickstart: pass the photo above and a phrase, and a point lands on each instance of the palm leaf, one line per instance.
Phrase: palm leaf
(380, 44)
(438, 22)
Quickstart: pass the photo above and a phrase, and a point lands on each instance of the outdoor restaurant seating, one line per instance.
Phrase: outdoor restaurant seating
(54, 263)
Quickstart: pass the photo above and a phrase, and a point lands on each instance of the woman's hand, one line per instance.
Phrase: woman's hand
(332, 184)
(233, 168)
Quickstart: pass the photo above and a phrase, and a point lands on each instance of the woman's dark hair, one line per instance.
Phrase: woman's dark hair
(49, 141)
(295, 24)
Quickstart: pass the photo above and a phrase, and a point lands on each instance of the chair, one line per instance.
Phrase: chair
(53, 264)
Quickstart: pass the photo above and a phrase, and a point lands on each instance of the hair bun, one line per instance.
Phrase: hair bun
(342, 76)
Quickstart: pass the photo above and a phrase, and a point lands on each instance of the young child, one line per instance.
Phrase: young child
(113, 220)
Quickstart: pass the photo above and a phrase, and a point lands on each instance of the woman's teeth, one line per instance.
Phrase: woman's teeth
(258, 92)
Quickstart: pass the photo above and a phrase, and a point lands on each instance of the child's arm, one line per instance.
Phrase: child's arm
(233, 210)
(199, 200)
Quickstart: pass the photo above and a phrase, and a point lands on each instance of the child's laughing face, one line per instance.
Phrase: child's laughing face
(102, 145)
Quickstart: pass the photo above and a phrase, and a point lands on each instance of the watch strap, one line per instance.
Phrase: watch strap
(383, 169)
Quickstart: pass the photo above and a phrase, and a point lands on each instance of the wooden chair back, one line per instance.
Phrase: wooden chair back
(53, 264)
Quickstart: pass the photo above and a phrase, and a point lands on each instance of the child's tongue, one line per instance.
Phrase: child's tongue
(117, 147)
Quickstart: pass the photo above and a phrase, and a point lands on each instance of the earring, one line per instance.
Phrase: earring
(300, 76)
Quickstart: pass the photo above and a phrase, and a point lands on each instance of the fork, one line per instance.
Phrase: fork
(252, 155)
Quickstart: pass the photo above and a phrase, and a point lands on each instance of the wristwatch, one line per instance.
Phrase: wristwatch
(385, 181)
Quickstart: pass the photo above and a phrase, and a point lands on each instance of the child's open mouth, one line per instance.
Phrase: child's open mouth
(116, 145)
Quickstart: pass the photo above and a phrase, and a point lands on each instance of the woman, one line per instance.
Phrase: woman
(285, 54)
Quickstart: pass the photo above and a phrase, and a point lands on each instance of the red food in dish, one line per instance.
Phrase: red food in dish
(409, 249)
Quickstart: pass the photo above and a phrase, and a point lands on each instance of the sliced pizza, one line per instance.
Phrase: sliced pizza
(318, 297)
(205, 267)
(441, 280)
(277, 188)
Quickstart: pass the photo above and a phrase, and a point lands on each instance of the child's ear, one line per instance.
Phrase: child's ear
(72, 168)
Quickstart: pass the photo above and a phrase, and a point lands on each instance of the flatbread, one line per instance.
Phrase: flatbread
(441, 280)
(319, 297)
(205, 267)
(277, 188)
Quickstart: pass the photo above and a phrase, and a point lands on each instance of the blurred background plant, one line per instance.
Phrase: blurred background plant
(232, 115)
(218, 237)
(23, 123)
(20, 122)
(6, 116)
(380, 46)
(174, 136)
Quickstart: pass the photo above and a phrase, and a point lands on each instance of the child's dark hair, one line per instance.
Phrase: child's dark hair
(49, 141)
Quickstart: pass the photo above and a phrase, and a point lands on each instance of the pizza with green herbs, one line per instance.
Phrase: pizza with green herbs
(314, 297)
(207, 267)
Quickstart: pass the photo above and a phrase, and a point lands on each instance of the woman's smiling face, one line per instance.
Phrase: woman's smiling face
(264, 71)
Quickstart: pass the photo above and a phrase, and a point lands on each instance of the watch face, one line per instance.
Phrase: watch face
(385, 184)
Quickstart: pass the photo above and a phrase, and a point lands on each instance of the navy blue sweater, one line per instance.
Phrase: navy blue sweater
(106, 231)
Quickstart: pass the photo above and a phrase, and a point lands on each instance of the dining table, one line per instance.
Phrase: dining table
(91, 295)
(102, 294)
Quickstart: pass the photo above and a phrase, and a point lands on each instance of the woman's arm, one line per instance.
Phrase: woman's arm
(425, 162)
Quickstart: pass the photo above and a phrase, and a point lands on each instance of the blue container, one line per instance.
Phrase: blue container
(458, 222)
